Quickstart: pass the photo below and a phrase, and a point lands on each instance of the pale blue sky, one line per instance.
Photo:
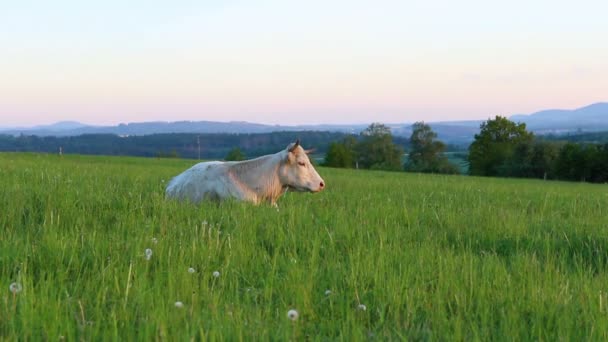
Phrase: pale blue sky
(297, 62)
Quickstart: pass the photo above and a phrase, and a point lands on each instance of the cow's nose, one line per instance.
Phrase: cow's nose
(322, 185)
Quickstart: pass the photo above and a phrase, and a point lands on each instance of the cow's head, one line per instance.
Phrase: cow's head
(297, 173)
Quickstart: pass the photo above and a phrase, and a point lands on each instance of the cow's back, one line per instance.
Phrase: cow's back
(201, 181)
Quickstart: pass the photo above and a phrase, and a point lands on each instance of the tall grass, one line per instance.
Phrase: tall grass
(429, 257)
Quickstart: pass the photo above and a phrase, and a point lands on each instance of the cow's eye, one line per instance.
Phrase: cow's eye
(301, 163)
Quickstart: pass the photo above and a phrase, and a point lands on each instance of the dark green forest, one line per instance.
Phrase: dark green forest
(182, 145)
(577, 137)
(507, 149)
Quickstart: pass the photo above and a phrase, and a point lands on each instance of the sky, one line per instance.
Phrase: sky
(297, 62)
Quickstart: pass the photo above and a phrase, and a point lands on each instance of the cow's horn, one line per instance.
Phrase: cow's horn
(295, 145)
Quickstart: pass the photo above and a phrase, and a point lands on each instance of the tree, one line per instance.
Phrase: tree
(376, 149)
(426, 153)
(582, 162)
(574, 162)
(350, 142)
(533, 159)
(339, 155)
(491, 152)
(377, 129)
(235, 155)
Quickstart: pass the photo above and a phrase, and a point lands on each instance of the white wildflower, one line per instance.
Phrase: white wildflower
(191, 270)
(15, 288)
(179, 304)
(292, 315)
(148, 254)
(362, 307)
(216, 274)
(327, 292)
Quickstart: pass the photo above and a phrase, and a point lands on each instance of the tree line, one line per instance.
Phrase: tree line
(183, 145)
(502, 148)
(375, 148)
(506, 149)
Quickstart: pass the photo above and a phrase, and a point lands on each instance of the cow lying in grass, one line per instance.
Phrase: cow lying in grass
(263, 179)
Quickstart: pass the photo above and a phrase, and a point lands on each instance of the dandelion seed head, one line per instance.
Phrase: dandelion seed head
(216, 274)
(191, 270)
(15, 288)
(148, 253)
(362, 307)
(179, 304)
(292, 315)
(327, 292)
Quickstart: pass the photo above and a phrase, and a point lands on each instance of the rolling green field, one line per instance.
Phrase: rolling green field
(404, 256)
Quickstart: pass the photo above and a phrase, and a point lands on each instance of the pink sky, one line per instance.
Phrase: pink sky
(287, 63)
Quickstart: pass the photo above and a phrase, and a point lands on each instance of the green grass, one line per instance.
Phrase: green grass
(431, 257)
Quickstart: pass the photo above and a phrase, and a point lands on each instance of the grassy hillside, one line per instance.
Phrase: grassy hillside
(402, 255)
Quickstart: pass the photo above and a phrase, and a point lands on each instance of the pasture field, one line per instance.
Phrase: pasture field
(404, 257)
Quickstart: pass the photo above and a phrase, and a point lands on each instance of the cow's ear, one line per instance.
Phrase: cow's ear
(292, 147)
(289, 157)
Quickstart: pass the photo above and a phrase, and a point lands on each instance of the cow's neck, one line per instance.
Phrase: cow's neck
(260, 177)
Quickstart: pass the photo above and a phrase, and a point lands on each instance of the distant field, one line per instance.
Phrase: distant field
(430, 257)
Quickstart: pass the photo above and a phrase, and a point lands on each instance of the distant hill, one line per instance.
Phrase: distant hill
(451, 132)
(590, 118)
(61, 126)
(55, 127)
(157, 127)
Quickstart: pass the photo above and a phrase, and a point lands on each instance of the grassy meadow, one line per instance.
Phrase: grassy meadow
(377, 256)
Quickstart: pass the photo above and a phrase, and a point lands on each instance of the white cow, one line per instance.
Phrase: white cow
(263, 179)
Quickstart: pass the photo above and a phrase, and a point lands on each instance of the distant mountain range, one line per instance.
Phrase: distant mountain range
(69, 128)
(590, 118)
